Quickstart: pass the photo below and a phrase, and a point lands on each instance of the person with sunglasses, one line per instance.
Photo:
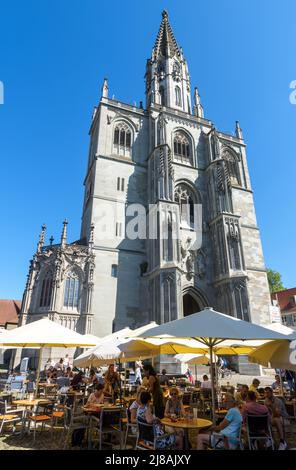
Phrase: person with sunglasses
(174, 405)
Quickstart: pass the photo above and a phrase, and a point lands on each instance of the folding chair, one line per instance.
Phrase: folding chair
(147, 438)
(129, 427)
(73, 422)
(17, 388)
(258, 429)
(110, 423)
(9, 416)
(38, 416)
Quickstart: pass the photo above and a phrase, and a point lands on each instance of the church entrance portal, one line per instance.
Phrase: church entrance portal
(190, 305)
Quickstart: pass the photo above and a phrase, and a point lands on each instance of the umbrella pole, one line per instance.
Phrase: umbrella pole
(281, 382)
(120, 388)
(213, 382)
(38, 371)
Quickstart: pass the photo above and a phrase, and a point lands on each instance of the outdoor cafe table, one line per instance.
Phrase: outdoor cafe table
(96, 408)
(30, 403)
(186, 424)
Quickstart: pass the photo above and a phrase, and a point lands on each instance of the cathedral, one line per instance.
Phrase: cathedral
(168, 220)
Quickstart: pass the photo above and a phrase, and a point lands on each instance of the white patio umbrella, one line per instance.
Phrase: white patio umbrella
(212, 329)
(41, 334)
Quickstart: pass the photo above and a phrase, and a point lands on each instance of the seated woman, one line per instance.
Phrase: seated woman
(174, 405)
(97, 397)
(229, 428)
(135, 405)
(145, 415)
(69, 373)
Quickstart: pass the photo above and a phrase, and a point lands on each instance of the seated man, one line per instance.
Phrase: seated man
(229, 428)
(277, 384)
(242, 394)
(278, 413)
(254, 408)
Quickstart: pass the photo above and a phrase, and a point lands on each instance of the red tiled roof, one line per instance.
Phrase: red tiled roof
(9, 311)
(284, 299)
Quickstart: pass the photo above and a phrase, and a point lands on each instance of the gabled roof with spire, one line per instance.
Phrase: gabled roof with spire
(166, 43)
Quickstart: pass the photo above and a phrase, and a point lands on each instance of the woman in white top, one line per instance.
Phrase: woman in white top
(206, 382)
(97, 397)
(135, 405)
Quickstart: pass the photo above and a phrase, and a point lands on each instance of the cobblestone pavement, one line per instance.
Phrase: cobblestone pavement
(44, 440)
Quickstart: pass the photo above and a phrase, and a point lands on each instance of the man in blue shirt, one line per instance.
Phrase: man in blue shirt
(228, 430)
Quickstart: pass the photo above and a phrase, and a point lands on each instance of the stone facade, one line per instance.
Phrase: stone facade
(193, 187)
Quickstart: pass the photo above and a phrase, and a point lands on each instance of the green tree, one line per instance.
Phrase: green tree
(274, 281)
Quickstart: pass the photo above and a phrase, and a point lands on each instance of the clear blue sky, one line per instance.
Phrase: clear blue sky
(53, 57)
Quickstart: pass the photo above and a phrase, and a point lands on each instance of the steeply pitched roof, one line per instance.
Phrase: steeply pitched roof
(9, 311)
(166, 43)
(285, 300)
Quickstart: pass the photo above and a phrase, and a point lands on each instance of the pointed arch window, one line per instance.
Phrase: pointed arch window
(231, 167)
(46, 290)
(182, 148)
(161, 93)
(72, 288)
(122, 140)
(241, 302)
(178, 97)
(185, 199)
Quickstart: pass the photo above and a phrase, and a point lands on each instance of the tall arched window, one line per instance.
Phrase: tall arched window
(122, 141)
(161, 93)
(46, 290)
(72, 288)
(178, 97)
(231, 167)
(185, 199)
(182, 148)
(241, 302)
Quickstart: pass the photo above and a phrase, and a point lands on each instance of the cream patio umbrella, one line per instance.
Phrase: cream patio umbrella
(131, 349)
(41, 334)
(97, 355)
(278, 355)
(198, 359)
(213, 330)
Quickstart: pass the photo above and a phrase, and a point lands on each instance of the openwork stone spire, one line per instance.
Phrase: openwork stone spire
(41, 239)
(166, 44)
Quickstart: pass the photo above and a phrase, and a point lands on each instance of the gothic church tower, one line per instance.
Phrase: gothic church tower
(190, 182)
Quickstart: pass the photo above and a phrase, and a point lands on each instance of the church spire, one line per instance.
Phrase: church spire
(198, 109)
(105, 88)
(41, 239)
(167, 76)
(64, 234)
(166, 44)
(238, 131)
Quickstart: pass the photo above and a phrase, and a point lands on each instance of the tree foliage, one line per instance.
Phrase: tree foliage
(274, 281)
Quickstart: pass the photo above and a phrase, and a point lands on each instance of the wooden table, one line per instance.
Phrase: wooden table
(221, 412)
(47, 386)
(31, 403)
(186, 424)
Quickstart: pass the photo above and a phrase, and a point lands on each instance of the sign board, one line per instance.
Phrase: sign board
(275, 314)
